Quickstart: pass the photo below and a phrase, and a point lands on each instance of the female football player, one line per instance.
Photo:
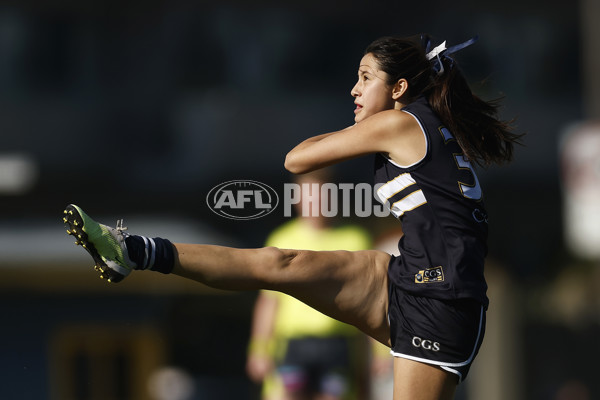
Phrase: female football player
(415, 112)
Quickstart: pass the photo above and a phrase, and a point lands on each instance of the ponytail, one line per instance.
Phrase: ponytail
(483, 137)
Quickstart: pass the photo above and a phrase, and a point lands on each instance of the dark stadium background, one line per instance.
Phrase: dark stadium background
(136, 110)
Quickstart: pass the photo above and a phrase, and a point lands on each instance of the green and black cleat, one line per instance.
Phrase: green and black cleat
(106, 245)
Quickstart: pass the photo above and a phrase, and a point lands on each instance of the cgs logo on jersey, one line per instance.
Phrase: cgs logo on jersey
(430, 275)
(242, 200)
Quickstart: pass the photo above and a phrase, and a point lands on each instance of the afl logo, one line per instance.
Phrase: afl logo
(244, 199)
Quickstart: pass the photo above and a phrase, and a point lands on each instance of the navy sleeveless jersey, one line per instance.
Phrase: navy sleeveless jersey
(440, 204)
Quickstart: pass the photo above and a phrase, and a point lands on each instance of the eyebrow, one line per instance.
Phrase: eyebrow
(366, 69)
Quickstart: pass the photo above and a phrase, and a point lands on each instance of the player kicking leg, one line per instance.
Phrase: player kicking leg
(348, 286)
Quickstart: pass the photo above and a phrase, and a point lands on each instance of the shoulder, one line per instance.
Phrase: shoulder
(392, 119)
(389, 127)
(403, 135)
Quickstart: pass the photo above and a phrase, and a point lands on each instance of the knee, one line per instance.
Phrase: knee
(272, 263)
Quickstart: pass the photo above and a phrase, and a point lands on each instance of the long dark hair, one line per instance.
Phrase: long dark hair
(474, 122)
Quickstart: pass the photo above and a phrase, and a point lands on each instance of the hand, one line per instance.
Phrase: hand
(258, 367)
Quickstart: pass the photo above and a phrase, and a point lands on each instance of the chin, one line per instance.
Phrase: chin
(361, 116)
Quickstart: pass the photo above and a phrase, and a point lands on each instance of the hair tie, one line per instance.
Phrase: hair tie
(441, 51)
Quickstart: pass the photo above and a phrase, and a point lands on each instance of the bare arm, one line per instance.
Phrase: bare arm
(392, 132)
(263, 320)
(260, 359)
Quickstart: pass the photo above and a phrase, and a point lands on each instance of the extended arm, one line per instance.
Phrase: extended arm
(392, 132)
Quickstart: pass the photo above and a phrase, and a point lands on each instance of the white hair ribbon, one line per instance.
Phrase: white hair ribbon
(436, 51)
(442, 51)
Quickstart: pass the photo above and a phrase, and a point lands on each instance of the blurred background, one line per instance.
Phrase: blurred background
(136, 110)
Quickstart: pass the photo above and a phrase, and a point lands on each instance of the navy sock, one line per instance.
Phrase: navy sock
(155, 254)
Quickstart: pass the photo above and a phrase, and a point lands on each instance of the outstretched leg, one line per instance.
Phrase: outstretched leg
(348, 286)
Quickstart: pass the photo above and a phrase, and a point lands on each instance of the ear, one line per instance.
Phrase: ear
(399, 89)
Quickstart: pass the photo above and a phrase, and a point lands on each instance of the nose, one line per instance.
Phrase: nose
(355, 92)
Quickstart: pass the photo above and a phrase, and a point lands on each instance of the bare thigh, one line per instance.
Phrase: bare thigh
(350, 286)
(419, 381)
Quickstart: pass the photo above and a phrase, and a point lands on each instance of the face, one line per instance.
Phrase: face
(371, 93)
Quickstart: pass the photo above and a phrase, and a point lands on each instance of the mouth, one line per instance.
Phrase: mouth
(358, 108)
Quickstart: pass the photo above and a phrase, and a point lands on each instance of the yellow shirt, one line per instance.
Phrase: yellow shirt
(295, 319)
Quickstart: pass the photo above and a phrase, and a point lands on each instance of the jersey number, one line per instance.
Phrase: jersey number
(472, 192)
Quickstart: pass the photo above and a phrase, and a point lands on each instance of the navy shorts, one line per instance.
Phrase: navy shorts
(446, 333)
